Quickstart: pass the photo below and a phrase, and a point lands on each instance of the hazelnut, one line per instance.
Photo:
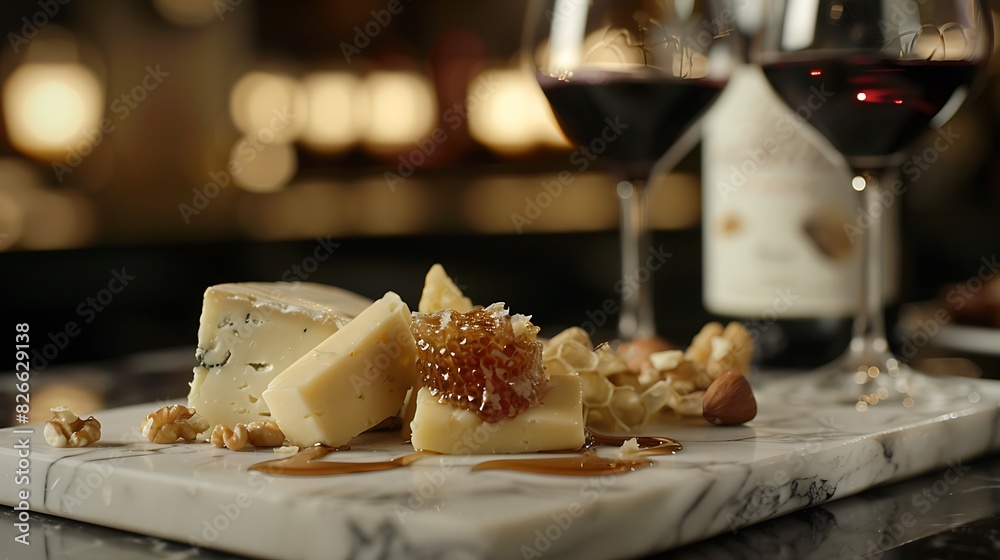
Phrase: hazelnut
(729, 400)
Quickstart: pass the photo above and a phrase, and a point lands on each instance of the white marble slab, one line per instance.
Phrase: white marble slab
(791, 457)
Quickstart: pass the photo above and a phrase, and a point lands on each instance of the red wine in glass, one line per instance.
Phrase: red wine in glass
(627, 80)
(636, 118)
(868, 106)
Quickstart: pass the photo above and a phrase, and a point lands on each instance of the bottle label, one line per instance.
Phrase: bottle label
(777, 211)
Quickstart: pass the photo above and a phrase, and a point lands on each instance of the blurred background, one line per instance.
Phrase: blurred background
(151, 148)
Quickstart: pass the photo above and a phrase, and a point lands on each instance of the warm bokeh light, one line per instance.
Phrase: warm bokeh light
(48, 107)
(11, 221)
(503, 120)
(305, 209)
(547, 128)
(512, 118)
(81, 399)
(262, 167)
(57, 220)
(388, 212)
(19, 180)
(542, 203)
(397, 108)
(269, 105)
(311, 208)
(333, 123)
(675, 201)
(187, 12)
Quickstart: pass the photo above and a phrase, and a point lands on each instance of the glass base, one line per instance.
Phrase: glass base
(868, 374)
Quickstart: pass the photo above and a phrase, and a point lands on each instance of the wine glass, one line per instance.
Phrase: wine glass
(627, 81)
(870, 77)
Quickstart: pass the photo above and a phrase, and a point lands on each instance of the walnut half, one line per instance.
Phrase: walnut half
(235, 439)
(68, 430)
(265, 433)
(262, 433)
(170, 423)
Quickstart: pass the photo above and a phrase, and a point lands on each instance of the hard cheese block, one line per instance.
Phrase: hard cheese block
(351, 381)
(441, 292)
(250, 333)
(556, 423)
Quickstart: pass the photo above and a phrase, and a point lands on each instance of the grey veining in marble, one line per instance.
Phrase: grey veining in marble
(794, 455)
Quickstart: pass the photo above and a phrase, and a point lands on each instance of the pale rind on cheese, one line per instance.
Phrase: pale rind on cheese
(554, 424)
(440, 293)
(250, 332)
(351, 381)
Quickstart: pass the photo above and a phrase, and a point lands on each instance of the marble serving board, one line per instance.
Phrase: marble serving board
(801, 450)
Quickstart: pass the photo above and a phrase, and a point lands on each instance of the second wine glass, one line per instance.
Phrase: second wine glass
(627, 80)
(871, 76)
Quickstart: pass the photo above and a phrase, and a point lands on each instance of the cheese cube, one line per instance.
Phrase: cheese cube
(351, 381)
(250, 333)
(554, 424)
(441, 292)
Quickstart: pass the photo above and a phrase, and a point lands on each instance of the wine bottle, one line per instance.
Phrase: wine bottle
(780, 227)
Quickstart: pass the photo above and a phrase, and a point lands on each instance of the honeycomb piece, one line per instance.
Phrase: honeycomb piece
(570, 357)
(574, 334)
(609, 363)
(597, 390)
(637, 352)
(619, 397)
(627, 407)
(609, 387)
(485, 361)
(732, 352)
(700, 350)
(662, 396)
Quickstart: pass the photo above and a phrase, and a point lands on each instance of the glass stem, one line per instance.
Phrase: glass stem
(635, 320)
(868, 345)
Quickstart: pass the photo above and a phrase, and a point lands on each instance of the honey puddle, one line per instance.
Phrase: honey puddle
(588, 464)
(306, 462)
(647, 445)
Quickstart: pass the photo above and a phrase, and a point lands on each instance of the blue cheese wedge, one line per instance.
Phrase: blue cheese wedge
(554, 424)
(250, 333)
(349, 382)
